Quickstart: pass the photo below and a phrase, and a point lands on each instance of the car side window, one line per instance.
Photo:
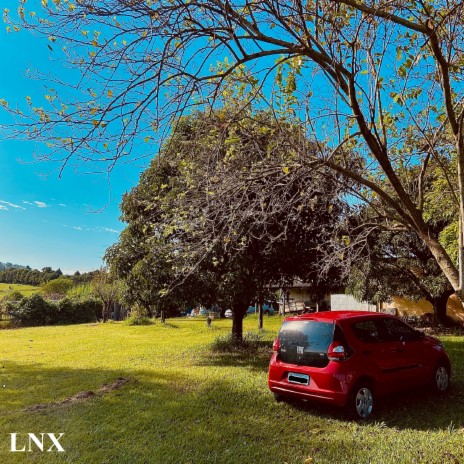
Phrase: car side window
(397, 330)
(366, 331)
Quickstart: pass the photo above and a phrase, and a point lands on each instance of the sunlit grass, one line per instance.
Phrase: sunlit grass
(26, 290)
(188, 403)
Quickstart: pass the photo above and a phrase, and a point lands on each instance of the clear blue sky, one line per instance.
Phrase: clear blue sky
(46, 220)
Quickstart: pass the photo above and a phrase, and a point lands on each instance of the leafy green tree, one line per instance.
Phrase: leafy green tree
(390, 259)
(396, 263)
(367, 76)
(108, 289)
(230, 206)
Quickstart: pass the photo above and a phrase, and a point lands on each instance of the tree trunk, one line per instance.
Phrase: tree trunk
(237, 327)
(163, 317)
(260, 316)
(239, 311)
(106, 311)
(439, 307)
(148, 310)
(443, 260)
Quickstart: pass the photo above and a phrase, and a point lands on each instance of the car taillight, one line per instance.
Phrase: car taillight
(337, 352)
(276, 345)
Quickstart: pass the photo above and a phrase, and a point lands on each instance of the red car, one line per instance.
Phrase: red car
(350, 358)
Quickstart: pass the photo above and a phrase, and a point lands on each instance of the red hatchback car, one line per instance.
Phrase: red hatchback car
(349, 358)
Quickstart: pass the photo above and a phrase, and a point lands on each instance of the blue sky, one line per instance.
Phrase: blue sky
(46, 220)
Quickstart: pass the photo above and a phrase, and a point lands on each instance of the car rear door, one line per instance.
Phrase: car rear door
(406, 353)
(377, 355)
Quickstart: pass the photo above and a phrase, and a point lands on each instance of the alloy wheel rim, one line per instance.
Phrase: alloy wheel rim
(442, 378)
(364, 402)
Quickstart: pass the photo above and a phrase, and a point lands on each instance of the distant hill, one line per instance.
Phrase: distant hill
(4, 266)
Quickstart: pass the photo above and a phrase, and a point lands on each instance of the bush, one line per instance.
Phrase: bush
(57, 287)
(77, 311)
(9, 324)
(35, 310)
(82, 291)
(138, 320)
(252, 341)
(86, 310)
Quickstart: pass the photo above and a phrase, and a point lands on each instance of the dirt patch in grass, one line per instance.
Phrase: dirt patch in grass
(83, 395)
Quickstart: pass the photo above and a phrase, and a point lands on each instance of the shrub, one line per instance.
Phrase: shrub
(138, 320)
(35, 310)
(57, 287)
(82, 291)
(252, 341)
(86, 310)
(10, 324)
(77, 311)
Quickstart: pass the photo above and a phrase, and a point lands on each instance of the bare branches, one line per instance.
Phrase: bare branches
(393, 66)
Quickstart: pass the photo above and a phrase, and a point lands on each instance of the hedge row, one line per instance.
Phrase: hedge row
(35, 310)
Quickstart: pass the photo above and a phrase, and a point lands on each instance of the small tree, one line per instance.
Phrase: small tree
(108, 289)
(14, 295)
(57, 288)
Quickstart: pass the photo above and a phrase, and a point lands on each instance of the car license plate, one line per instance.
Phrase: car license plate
(302, 379)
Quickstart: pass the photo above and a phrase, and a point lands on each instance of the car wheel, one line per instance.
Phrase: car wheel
(441, 378)
(361, 401)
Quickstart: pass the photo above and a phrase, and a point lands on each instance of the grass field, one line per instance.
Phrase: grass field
(26, 290)
(187, 404)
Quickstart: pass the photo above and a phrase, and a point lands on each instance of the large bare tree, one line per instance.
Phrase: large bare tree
(381, 78)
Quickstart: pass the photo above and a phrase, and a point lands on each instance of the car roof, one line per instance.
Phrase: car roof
(332, 316)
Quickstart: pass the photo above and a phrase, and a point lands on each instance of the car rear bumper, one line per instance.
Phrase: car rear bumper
(306, 393)
(330, 384)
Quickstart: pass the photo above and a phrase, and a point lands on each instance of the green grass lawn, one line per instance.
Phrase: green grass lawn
(26, 290)
(186, 404)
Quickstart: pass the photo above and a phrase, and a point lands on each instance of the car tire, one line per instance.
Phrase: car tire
(441, 378)
(361, 402)
(280, 398)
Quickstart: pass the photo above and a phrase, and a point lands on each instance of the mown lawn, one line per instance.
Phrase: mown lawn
(26, 290)
(185, 404)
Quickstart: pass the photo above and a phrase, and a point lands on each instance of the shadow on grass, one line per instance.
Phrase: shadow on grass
(170, 325)
(421, 411)
(253, 353)
(162, 415)
(417, 409)
(172, 415)
(257, 361)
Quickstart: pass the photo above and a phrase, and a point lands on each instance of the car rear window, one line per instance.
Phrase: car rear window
(305, 342)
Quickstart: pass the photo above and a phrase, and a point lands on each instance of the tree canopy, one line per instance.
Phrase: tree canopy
(381, 79)
(231, 207)
(392, 260)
